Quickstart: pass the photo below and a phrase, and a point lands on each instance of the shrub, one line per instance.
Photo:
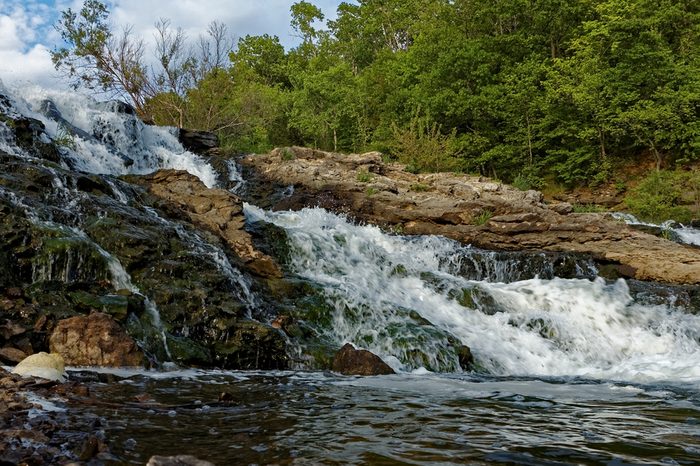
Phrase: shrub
(527, 180)
(287, 154)
(483, 217)
(658, 197)
(424, 148)
(64, 138)
(419, 187)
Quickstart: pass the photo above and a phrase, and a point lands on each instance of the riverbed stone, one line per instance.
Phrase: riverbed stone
(11, 355)
(351, 361)
(178, 460)
(94, 340)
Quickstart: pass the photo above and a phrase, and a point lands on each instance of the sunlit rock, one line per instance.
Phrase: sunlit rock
(48, 366)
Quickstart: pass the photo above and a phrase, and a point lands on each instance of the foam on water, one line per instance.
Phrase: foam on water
(107, 141)
(557, 327)
(684, 233)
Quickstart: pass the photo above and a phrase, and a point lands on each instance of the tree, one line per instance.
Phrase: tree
(97, 59)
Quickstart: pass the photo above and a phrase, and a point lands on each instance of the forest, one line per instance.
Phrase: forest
(532, 92)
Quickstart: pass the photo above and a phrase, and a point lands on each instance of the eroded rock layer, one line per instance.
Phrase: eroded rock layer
(469, 209)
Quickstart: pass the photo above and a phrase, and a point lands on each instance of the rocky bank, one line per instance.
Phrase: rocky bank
(472, 210)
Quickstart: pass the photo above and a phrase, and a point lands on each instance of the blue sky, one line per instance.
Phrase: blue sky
(27, 34)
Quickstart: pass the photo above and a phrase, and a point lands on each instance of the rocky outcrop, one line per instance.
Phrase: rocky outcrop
(215, 210)
(199, 142)
(351, 361)
(470, 209)
(94, 340)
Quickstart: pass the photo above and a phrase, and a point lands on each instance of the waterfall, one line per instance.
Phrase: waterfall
(240, 283)
(674, 230)
(76, 261)
(381, 291)
(106, 138)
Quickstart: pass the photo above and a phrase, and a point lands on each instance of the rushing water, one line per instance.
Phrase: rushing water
(674, 230)
(554, 327)
(96, 138)
(569, 367)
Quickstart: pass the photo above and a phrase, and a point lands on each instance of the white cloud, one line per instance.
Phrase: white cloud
(34, 66)
(27, 34)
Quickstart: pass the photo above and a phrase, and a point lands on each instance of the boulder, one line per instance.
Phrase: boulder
(11, 355)
(94, 340)
(42, 365)
(351, 361)
(215, 210)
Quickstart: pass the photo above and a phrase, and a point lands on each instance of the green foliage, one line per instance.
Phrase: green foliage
(419, 187)
(287, 154)
(658, 197)
(364, 176)
(96, 58)
(483, 217)
(424, 147)
(528, 179)
(371, 191)
(64, 138)
(521, 91)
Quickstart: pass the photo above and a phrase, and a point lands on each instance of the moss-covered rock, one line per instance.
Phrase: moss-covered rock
(252, 345)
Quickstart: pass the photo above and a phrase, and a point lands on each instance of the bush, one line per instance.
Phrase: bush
(658, 197)
(424, 148)
(528, 179)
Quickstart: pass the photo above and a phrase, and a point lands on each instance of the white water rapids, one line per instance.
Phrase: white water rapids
(534, 327)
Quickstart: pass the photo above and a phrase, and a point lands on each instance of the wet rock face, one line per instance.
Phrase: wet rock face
(94, 340)
(49, 272)
(199, 142)
(472, 210)
(215, 210)
(351, 361)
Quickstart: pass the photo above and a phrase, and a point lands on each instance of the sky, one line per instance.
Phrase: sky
(27, 33)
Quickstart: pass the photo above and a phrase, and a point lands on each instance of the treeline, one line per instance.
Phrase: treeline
(523, 90)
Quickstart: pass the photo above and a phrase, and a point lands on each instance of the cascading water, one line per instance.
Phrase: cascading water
(380, 287)
(218, 257)
(104, 139)
(673, 230)
(77, 261)
(97, 138)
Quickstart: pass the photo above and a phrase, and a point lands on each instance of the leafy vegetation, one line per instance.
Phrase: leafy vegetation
(520, 91)
(364, 176)
(483, 217)
(659, 196)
